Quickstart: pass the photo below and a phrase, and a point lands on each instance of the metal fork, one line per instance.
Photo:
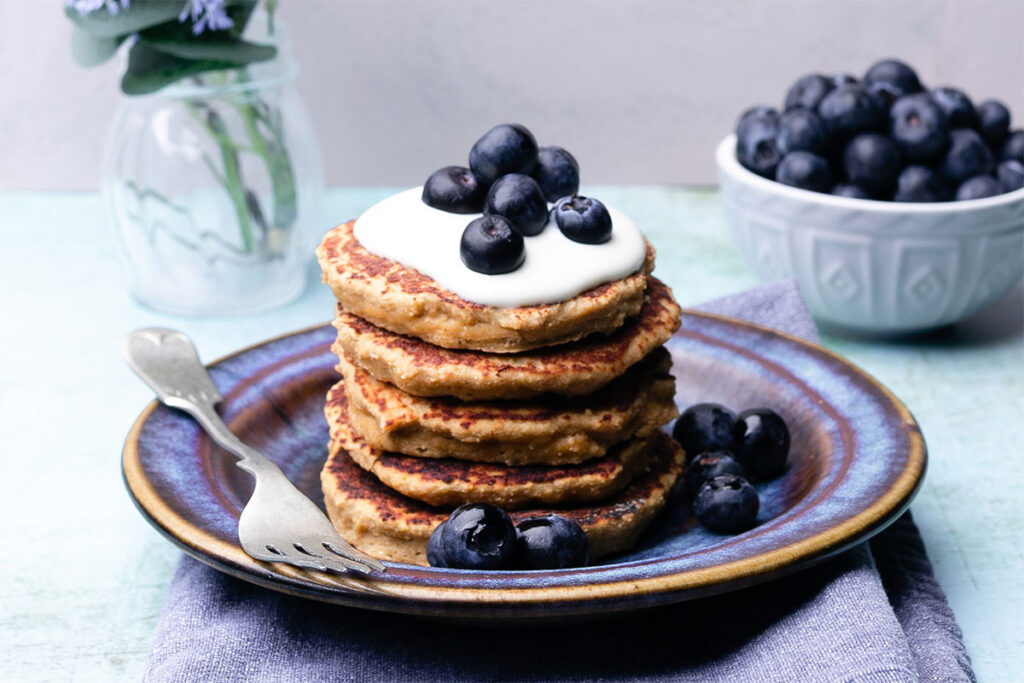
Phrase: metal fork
(279, 523)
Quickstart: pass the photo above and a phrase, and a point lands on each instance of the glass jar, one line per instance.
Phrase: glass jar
(213, 187)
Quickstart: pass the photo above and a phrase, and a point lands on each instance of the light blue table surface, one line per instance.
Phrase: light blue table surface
(83, 577)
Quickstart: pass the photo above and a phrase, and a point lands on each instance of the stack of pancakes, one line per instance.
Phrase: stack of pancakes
(442, 402)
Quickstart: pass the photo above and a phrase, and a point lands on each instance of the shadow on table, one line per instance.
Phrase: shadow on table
(1000, 322)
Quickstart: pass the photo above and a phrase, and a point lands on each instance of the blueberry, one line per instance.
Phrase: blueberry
(706, 466)
(801, 129)
(507, 148)
(490, 245)
(804, 170)
(1011, 175)
(454, 189)
(583, 219)
(919, 127)
(850, 109)
(727, 504)
(978, 187)
(552, 542)
(895, 72)
(704, 427)
(759, 113)
(885, 92)
(850, 190)
(993, 122)
(435, 556)
(921, 184)
(557, 173)
(756, 149)
(762, 442)
(808, 91)
(478, 536)
(518, 198)
(968, 156)
(1013, 148)
(956, 105)
(873, 162)
(844, 79)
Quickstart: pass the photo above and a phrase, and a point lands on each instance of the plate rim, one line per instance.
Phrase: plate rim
(586, 598)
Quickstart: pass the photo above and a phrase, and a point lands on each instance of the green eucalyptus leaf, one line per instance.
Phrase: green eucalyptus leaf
(217, 45)
(90, 51)
(150, 69)
(139, 15)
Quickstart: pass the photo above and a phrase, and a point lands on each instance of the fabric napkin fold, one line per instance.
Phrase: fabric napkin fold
(873, 613)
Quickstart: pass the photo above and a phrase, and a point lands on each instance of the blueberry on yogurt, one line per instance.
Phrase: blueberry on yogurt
(583, 219)
(557, 173)
(454, 189)
(519, 199)
(490, 245)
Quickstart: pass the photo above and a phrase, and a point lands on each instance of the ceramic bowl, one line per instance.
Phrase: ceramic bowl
(871, 266)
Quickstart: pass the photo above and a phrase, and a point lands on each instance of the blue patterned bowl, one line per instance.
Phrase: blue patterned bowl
(871, 266)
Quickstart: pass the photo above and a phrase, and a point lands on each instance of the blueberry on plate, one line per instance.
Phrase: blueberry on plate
(873, 162)
(478, 536)
(454, 189)
(808, 91)
(726, 504)
(956, 105)
(801, 129)
(1013, 148)
(850, 109)
(850, 190)
(844, 79)
(804, 170)
(506, 148)
(967, 156)
(759, 113)
(762, 442)
(993, 122)
(518, 198)
(583, 219)
(706, 466)
(756, 148)
(895, 72)
(704, 427)
(978, 187)
(919, 127)
(490, 245)
(557, 173)
(551, 542)
(435, 556)
(1011, 175)
(921, 184)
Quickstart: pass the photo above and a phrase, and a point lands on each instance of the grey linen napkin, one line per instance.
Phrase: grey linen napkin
(873, 613)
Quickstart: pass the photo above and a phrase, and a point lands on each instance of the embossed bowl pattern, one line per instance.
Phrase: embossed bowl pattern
(871, 266)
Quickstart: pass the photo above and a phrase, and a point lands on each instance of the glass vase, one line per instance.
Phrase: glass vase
(213, 187)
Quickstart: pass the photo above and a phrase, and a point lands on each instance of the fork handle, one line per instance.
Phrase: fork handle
(168, 362)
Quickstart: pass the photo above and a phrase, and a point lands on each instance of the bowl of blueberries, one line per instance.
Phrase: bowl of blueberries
(897, 208)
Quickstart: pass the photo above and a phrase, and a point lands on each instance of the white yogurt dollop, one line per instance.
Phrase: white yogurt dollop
(403, 229)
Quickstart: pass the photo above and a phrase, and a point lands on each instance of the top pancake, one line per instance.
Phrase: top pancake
(405, 301)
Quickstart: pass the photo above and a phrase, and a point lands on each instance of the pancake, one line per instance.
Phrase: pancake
(575, 369)
(405, 301)
(448, 482)
(390, 526)
(548, 431)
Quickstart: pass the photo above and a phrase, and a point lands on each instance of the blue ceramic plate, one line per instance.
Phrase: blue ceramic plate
(856, 461)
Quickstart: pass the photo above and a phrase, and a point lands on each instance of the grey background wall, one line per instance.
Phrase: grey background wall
(639, 90)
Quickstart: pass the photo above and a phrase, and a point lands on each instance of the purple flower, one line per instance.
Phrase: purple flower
(84, 7)
(206, 14)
